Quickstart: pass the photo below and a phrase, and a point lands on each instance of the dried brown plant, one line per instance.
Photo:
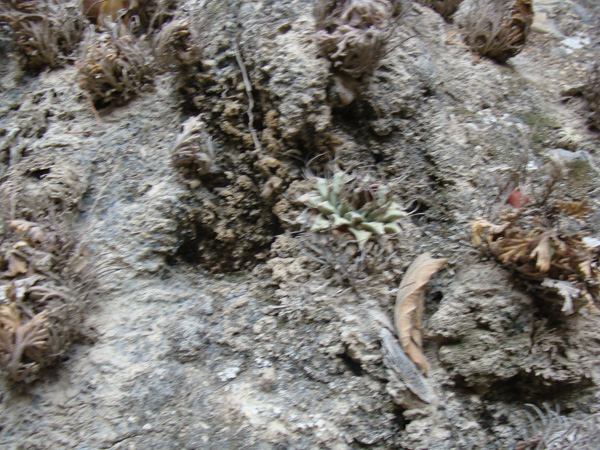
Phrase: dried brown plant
(42, 303)
(176, 44)
(344, 263)
(193, 152)
(22, 342)
(552, 431)
(353, 33)
(446, 8)
(45, 33)
(114, 68)
(551, 261)
(498, 29)
(37, 187)
(591, 95)
(131, 13)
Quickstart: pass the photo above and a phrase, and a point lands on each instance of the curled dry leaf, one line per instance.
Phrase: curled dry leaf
(481, 226)
(408, 312)
(16, 265)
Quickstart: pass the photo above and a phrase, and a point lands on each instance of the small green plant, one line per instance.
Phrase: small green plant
(352, 203)
(353, 33)
(45, 33)
(498, 29)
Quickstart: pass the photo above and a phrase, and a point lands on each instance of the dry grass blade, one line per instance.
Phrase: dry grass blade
(397, 361)
(408, 311)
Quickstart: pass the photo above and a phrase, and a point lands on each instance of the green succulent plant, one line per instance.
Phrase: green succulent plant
(353, 203)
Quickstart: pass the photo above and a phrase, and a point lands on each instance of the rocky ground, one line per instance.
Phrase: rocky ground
(218, 320)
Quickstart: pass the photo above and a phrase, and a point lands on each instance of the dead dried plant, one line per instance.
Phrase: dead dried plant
(193, 152)
(498, 29)
(446, 8)
(42, 303)
(22, 342)
(175, 45)
(113, 68)
(591, 95)
(353, 33)
(551, 261)
(344, 263)
(552, 431)
(37, 187)
(132, 14)
(45, 33)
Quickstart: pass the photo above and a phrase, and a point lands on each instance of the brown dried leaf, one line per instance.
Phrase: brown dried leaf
(482, 227)
(543, 253)
(16, 265)
(409, 307)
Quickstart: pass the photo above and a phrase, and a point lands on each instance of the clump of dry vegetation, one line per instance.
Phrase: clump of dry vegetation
(113, 68)
(353, 33)
(446, 8)
(193, 152)
(45, 280)
(591, 95)
(553, 431)
(45, 33)
(43, 290)
(546, 243)
(142, 14)
(498, 29)
(39, 187)
(175, 45)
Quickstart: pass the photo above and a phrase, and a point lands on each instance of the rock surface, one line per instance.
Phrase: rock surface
(224, 323)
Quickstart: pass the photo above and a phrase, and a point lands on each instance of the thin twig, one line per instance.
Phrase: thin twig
(248, 85)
